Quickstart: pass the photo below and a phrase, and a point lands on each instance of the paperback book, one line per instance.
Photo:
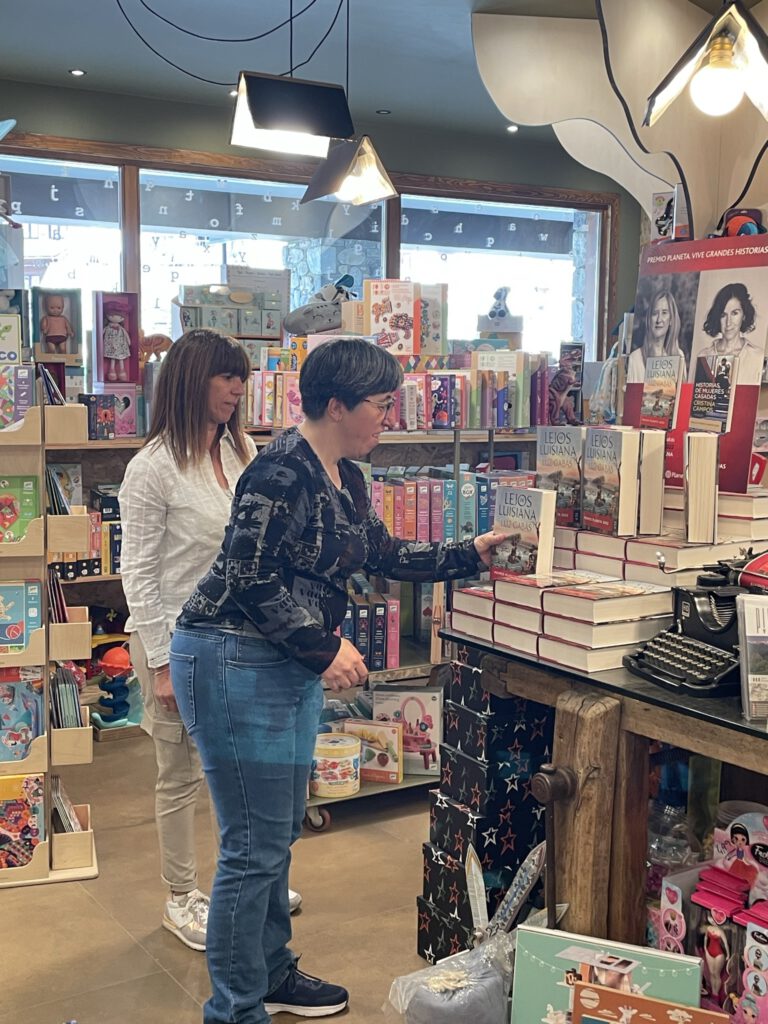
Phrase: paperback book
(559, 463)
(663, 376)
(528, 516)
(713, 392)
(610, 502)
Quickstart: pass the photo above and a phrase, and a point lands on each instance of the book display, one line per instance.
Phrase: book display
(40, 727)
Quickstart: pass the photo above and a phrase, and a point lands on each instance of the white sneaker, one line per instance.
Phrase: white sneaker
(186, 916)
(294, 900)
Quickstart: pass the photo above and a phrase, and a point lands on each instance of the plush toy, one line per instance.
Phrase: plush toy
(6, 294)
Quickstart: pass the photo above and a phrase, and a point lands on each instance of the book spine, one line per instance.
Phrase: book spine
(422, 510)
(450, 511)
(362, 627)
(389, 508)
(467, 507)
(410, 510)
(483, 498)
(399, 508)
(393, 633)
(348, 624)
(436, 498)
(378, 634)
(377, 497)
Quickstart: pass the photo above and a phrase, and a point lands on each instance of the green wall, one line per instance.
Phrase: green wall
(536, 160)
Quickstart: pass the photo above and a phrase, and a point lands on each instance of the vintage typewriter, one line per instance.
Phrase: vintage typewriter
(699, 654)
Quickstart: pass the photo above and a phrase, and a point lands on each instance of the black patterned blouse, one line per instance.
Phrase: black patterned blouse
(293, 541)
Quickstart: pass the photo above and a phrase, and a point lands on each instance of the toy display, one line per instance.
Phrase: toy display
(57, 325)
(116, 337)
(420, 712)
(122, 704)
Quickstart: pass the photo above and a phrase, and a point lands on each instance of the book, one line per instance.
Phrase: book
(22, 818)
(610, 502)
(20, 614)
(528, 591)
(614, 601)
(528, 516)
(528, 619)
(70, 477)
(583, 659)
(361, 613)
(752, 611)
(19, 505)
(65, 817)
(713, 393)
(559, 464)
(472, 625)
(378, 633)
(601, 544)
(564, 558)
(393, 632)
(21, 711)
(651, 481)
(653, 574)
(740, 528)
(477, 600)
(661, 387)
(516, 639)
(613, 567)
(381, 754)
(677, 553)
(16, 393)
(752, 505)
(604, 634)
(701, 469)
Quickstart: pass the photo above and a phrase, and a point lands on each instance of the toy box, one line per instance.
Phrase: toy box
(126, 406)
(116, 337)
(381, 758)
(57, 325)
(19, 505)
(101, 416)
(392, 314)
(10, 338)
(19, 614)
(420, 711)
(433, 311)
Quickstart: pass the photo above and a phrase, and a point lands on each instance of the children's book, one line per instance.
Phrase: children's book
(549, 964)
(713, 393)
(528, 516)
(661, 387)
(559, 464)
(599, 1004)
(19, 505)
(21, 711)
(70, 477)
(17, 393)
(22, 818)
(20, 605)
(610, 500)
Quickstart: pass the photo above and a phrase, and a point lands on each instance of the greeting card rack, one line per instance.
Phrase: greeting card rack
(58, 856)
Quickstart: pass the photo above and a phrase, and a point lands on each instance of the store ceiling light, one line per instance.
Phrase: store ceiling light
(77, 72)
(727, 59)
(352, 173)
(289, 115)
(6, 126)
(512, 128)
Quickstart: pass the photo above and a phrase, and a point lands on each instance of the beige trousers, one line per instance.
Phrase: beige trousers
(179, 777)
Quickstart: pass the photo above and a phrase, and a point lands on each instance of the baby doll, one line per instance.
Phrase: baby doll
(117, 342)
(55, 328)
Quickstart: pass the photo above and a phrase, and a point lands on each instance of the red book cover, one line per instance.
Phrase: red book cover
(410, 500)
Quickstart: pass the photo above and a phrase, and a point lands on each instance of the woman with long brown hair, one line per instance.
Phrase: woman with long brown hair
(174, 505)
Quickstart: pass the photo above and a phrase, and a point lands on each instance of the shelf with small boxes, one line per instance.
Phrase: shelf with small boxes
(35, 634)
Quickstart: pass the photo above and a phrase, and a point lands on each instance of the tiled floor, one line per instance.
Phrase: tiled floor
(94, 951)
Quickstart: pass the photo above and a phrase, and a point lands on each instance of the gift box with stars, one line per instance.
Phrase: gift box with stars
(501, 838)
(445, 885)
(465, 688)
(481, 734)
(438, 935)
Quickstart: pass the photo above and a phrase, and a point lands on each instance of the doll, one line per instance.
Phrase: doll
(117, 342)
(55, 328)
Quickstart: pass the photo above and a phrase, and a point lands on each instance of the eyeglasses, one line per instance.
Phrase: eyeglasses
(384, 407)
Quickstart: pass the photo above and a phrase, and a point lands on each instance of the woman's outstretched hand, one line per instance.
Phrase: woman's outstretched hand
(485, 544)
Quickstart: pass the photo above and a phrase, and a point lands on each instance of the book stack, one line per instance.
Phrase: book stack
(582, 620)
(66, 712)
(740, 517)
(64, 815)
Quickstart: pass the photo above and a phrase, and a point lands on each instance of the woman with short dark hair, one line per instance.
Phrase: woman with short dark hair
(731, 318)
(255, 643)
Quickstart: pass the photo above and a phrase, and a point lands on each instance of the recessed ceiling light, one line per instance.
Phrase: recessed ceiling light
(512, 128)
(77, 72)
(383, 112)
(233, 92)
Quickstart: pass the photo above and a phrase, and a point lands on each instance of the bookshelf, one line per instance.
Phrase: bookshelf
(59, 856)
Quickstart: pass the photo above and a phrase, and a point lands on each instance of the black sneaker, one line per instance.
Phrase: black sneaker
(306, 996)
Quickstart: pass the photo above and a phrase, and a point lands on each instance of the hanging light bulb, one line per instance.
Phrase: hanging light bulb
(353, 173)
(718, 86)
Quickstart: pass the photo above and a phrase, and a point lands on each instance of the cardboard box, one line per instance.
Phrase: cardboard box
(420, 710)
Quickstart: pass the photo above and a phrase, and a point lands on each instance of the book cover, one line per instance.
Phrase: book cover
(450, 511)
(393, 632)
(661, 386)
(713, 393)
(362, 619)
(559, 468)
(436, 493)
(753, 648)
(381, 754)
(292, 411)
(21, 711)
(423, 509)
(16, 392)
(410, 510)
(529, 517)
(442, 416)
(19, 505)
(22, 818)
(378, 633)
(392, 314)
(70, 477)
(609, 503)
(467, 507)
(549, 963)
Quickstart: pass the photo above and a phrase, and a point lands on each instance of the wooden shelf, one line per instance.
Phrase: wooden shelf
(118, 442)
(420, 436)
(374, 788)
(108, 578)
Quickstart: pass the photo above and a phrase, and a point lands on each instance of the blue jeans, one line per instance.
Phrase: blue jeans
(253, 715)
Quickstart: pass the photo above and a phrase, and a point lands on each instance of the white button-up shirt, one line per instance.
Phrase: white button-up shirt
(173, 525)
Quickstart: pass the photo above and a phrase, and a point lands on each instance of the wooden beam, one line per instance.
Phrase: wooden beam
(130, 225)
(626, 897)
(586, 739)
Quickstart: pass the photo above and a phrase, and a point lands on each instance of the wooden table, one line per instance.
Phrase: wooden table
(603, 725)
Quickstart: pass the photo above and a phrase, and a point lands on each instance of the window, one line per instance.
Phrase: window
(548, 257)
(192, 226)
(70, 235)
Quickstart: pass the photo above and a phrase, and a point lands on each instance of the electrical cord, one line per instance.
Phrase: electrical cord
(226, 39)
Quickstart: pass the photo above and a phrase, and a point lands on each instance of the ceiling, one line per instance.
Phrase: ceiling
(412, 57)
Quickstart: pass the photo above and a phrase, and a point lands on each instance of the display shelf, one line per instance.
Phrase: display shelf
(35, 872)
(414, 664)
(70, 641)
(27, 433)
(71, 532)
(67, 423)
(73, 746)
(74, 850)
(33, 653)
(117, 442)
(374, 788)
(35, 763)
(30, 545)
(109, 577)
(467, 436)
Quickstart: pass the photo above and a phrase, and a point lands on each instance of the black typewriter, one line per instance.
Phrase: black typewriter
(699, 654)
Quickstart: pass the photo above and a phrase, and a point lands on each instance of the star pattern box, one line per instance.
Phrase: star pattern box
(480, 734)
(438, 935)
(445, 885)
(465, 688)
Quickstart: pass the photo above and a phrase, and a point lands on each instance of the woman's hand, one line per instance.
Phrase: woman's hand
(486, 542)
(347, 668)
(163, 689)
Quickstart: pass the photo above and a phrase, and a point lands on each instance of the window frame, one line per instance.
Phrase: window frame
(130, 159)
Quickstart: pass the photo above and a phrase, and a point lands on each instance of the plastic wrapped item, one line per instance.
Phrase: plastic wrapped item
(472, 986)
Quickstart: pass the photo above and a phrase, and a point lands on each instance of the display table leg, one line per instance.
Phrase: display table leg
(626, 894)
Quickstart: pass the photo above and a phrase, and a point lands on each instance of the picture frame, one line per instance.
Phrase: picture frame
(57, 325)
